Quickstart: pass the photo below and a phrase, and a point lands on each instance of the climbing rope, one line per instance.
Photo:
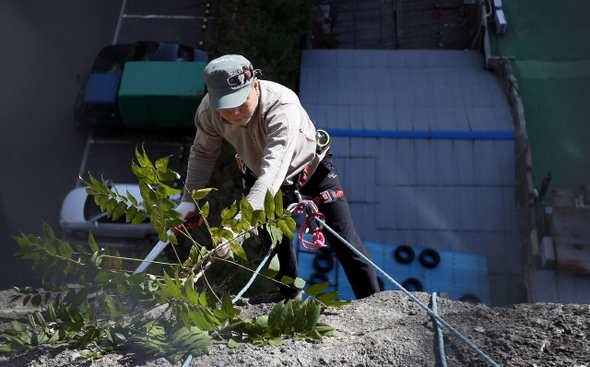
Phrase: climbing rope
(188, 360)
(299, 209)
(428, 310)
(309, 208)
(441, 343)
(317, 239)
(256, 272)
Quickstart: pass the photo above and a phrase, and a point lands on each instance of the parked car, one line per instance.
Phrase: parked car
(80, 215)
(145, 85)
(112, 58)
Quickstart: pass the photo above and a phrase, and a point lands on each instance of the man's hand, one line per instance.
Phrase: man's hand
(187, 209)
(224, 251)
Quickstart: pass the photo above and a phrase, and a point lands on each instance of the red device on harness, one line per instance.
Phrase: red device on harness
(328, 196)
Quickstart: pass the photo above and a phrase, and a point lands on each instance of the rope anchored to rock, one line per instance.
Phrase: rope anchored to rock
(309, 208)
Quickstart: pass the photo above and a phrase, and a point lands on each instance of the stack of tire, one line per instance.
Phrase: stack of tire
(323, 263)
(429, 258)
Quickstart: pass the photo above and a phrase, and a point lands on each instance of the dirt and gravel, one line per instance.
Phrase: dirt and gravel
(386, 329)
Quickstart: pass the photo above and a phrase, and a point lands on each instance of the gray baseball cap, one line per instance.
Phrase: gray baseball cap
(228, 80)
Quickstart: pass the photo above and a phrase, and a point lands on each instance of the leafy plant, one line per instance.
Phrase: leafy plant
(172, 314)
(268, 33)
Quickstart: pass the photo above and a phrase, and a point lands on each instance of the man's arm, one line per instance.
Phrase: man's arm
(204, 152)
(282, 145)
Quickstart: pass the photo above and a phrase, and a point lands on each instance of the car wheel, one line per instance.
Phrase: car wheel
(82, 235)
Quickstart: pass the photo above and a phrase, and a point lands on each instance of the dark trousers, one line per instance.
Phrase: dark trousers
(361, 275)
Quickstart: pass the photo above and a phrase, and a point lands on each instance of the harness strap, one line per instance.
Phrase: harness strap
(328, 196)
(322, 146)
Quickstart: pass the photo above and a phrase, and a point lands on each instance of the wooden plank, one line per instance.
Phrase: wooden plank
(564, 198)
(570, 228)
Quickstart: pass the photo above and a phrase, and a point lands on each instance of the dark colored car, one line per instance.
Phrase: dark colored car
(97, 104)
(112, 58)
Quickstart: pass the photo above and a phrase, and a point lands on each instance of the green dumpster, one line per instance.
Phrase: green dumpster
(160, 94)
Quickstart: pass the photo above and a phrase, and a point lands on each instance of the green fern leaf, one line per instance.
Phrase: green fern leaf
(230, 212)
(284, 227)
(316, 289)
(246, 209)
(200, 194)
(269, 206)
(313, 316)
(274, 320)
(278, 199)
(112, 307)
(287, 318)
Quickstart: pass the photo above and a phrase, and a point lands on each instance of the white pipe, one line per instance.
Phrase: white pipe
(152, 255)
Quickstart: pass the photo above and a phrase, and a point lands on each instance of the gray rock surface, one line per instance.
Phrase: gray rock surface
(386, 329)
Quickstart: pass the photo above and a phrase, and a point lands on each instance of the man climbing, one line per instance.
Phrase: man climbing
(277, 142)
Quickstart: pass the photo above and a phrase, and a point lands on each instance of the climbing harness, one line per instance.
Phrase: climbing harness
(328, 196)
(318, 240)
(321, 149)
(323, 140)
(309, 208)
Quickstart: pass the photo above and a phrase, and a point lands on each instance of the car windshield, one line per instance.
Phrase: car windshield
(112, 58)
(91, 210)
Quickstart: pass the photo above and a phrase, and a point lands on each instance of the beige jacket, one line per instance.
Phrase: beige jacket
(276, 145)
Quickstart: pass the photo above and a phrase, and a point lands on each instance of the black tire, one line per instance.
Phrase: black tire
(412, 285)
(404, 254)
(429, 258)
(470, 298)
(317, 278)
(326, 250)
(323, 263)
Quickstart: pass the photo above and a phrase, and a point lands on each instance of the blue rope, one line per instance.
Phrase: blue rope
(188, 361)
(237, 297)
(436, 317)
(441, 343)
